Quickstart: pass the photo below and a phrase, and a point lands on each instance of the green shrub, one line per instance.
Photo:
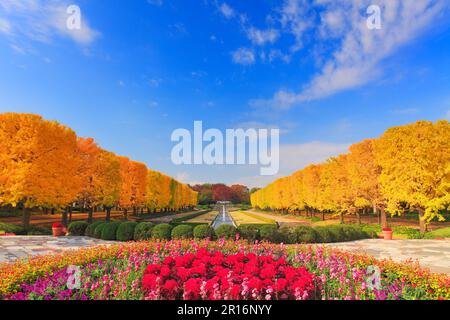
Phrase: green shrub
(11, 228)
(269, 233)
(90, 230)
(143, 231)
(325, 235)
(249, 232)
(38, 231)
(125, 231)
(78, 228)
(338, 232)
(162, 231)
(109, 231)
(410, 233)
(226, 231)
(287, 235)
(203, 231)
(99, 229)
(182, 231)
(306, 234)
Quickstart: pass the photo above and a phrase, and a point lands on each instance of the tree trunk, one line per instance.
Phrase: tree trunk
(341, 218)
(125, 214)
(26, 215)
(53, 210)
(358, 216)
(90, 215)
(323, 215)
(422, 224)
(383, 218)
(64, 217)
(108, 214)
(70, 214)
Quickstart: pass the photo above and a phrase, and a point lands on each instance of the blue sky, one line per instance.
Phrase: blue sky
(139, 69)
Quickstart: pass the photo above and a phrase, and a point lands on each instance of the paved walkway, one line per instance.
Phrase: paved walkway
(432, 254)
(12, 248)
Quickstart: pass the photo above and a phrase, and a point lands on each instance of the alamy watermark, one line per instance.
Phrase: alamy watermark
(73, 21)
(235, 147)
(74, 280)
(374, 20)
(373, 280)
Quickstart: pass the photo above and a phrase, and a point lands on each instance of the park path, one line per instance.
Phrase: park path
(20, 247)
(432, 254)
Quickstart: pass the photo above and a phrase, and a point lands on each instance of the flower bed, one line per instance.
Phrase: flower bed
(214, 276)
(216, 270)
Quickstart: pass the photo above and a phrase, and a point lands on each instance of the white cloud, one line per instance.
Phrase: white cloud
(5, 26)
(243, 56)
(185, 177)
(154, 82)
(356, 54)
(42, 21)
(17, 49)
(227, 11)
(261, 37)
(155, 2)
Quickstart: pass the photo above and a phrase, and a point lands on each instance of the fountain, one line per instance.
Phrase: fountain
(223, 217)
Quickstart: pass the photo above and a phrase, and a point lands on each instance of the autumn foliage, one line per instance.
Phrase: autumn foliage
(406, 169)
(43, 164)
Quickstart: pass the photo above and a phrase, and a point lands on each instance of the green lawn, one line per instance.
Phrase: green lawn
(206, 218)
(241, 217)
(440, 233)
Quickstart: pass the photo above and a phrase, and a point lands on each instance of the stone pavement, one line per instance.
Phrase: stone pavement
(17, 247)
(432, 254)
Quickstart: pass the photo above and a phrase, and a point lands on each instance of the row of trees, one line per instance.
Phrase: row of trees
(211, 193)
(406, 169)
(43, 164)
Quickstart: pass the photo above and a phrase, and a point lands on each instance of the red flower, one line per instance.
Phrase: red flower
(165, 271)
(211, 275)
(57, 225)
(281, 284)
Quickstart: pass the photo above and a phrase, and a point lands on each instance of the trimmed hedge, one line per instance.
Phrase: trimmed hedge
(78, 228)
(90, 230)
(249, 232)
(226, 231)
(99, 229)
(143, 231)
(325, 235)
(203, 231)
(182, 231)
(269, 233)
(306, 234)
(287, 235)
(125, 231)
(11, 228)
(162, 231)
(109, 230)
